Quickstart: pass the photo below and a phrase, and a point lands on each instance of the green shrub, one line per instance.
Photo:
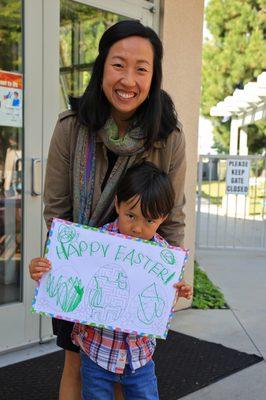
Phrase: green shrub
(206, 294)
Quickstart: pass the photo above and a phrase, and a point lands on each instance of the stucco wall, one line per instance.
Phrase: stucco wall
(181, 32)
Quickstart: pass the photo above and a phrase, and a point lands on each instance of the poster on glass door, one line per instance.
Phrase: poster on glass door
(11, 92)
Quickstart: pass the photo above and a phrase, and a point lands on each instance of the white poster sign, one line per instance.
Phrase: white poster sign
(11, 92)
(237, 176)
(105, 279)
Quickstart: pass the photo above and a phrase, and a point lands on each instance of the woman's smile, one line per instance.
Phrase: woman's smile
(125, 95)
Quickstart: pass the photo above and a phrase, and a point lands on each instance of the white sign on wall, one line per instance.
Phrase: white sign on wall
(105, 279)
(237, 176)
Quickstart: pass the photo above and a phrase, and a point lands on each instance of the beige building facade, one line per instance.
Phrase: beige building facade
(182, 26)
(51, 45)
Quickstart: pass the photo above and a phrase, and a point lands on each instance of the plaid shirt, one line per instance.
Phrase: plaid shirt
(112, 350)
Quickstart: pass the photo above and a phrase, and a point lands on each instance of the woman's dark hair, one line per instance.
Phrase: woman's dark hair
(151, 186)
(156, 116)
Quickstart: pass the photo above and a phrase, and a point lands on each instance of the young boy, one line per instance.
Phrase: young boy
(143, 200)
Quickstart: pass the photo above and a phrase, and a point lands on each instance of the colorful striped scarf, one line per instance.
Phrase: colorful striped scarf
(126, 147)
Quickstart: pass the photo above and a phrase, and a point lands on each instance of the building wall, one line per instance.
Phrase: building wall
(181, 32)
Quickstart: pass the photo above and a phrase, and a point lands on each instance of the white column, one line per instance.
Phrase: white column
(234, 136)
(243, 141)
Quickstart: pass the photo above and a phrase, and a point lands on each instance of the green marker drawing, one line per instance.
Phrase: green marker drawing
(107, 294)
(68, 292)
(168, 256)
(95, 295)
(121, 280)
(66, 233)
(151, 305)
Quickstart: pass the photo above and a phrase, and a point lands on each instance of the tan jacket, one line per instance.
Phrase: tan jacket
(168, 155)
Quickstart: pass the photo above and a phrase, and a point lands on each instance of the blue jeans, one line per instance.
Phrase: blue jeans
(98, 383)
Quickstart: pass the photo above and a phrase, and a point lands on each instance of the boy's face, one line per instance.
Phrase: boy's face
(131, 221)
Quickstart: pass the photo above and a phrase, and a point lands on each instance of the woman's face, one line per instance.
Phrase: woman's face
(127, 75)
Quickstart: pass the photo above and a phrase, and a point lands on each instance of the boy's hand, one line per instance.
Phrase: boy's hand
(38, 266)
(183, 290)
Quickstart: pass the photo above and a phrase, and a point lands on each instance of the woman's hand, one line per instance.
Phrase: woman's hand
(38, 266)
(183, 290)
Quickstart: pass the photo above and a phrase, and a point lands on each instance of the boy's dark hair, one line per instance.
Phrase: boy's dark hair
(156, 116)
(153, 186)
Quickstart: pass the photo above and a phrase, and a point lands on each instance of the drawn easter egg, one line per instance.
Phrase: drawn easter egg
(65, 288)
(168, 256)
(66, 233)
(107, 294)
(150, 305)
(146, 311)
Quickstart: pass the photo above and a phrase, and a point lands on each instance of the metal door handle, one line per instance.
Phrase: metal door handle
(36, 181)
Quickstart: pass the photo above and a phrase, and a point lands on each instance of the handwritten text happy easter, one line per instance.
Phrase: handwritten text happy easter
(120, 253)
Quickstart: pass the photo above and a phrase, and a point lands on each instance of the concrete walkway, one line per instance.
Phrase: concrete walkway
(241, 276)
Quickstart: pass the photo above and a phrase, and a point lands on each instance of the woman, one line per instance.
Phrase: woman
(122, 118)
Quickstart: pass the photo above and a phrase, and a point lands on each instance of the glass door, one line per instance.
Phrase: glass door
(11, 155)
(11, 163)
(20, 162)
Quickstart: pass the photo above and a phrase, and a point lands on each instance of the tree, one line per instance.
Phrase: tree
(233, 56)
(11, 35)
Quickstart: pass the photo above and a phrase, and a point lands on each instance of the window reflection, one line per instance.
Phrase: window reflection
(81, 28)
(11, 136)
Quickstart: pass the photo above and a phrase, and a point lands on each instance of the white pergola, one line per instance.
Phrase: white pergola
(244, 107)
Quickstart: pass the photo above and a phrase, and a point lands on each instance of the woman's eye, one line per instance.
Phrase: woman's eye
(117, 65)
(130, 216)
(150, 221)
(142, 69)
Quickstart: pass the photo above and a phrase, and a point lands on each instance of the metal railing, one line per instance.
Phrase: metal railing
(228, 220)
